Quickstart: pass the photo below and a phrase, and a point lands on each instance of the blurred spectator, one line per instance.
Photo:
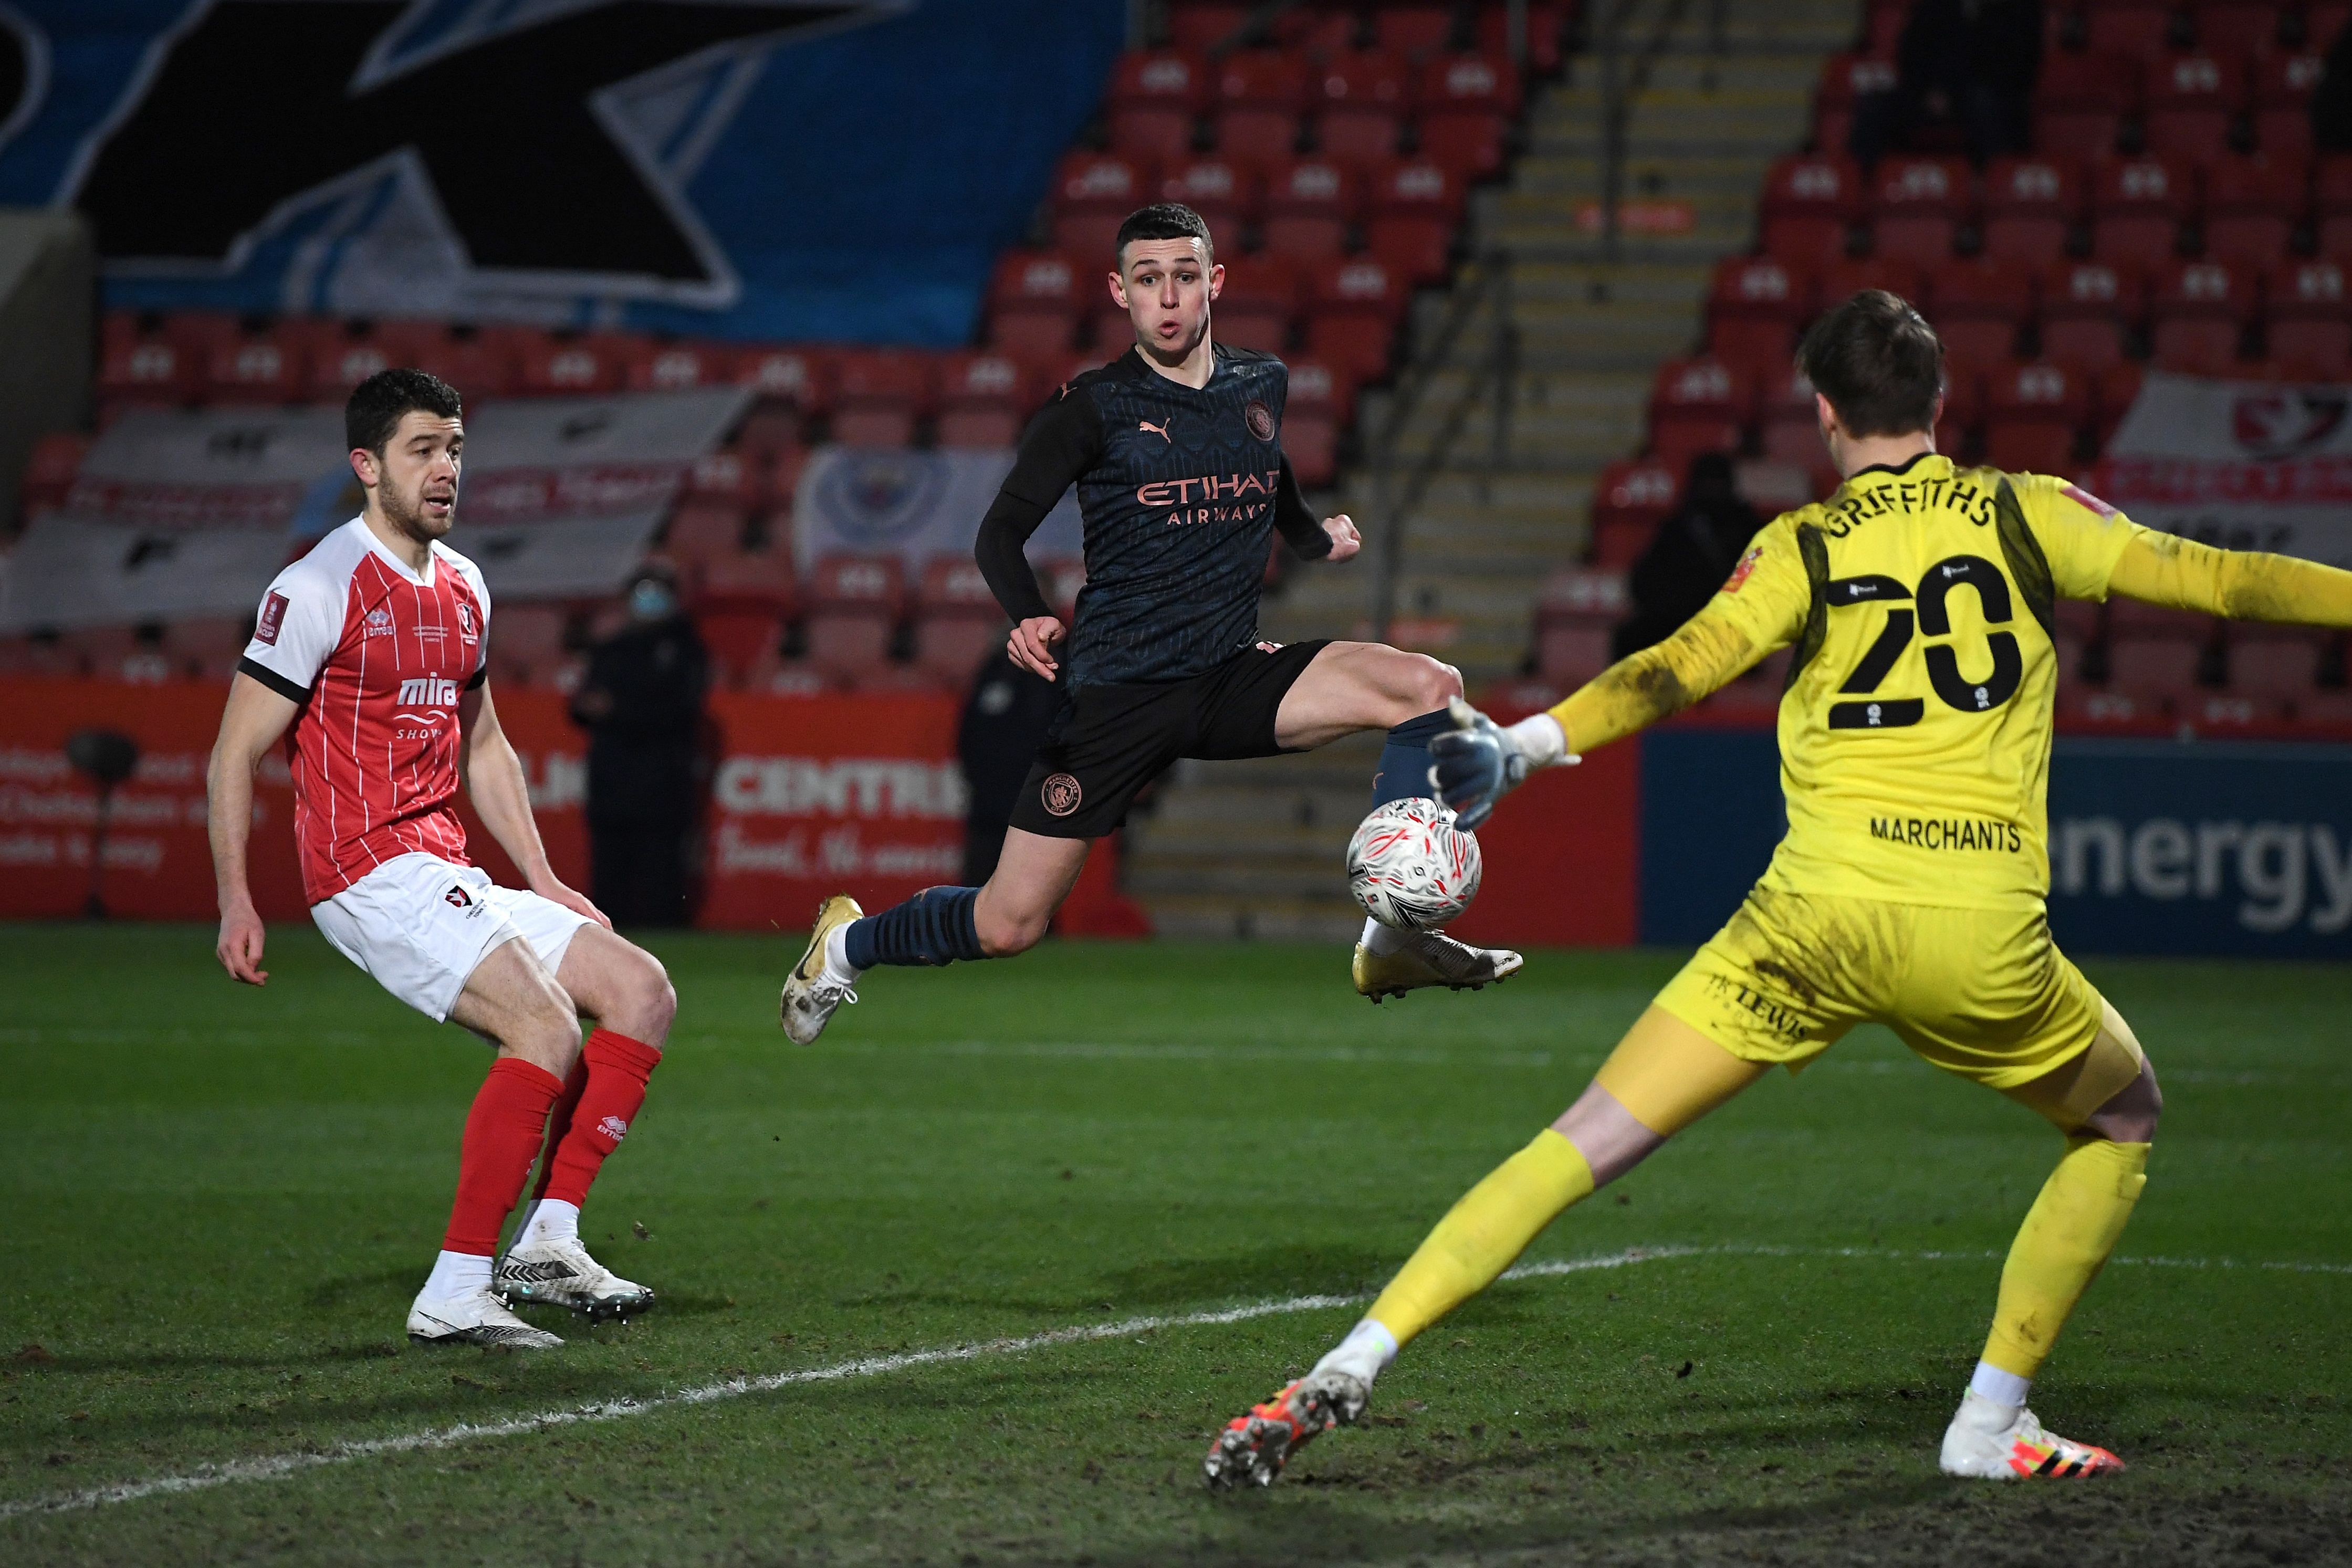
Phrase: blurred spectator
(641, 703)
(1969, 61)
(1694, 549)
(1005, 722)
(2331, 101)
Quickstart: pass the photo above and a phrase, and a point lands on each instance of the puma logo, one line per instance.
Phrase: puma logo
(1159, 430)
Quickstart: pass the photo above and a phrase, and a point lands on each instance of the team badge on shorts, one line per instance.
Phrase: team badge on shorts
(1060, 795)
(457, 898)
(1260, 419)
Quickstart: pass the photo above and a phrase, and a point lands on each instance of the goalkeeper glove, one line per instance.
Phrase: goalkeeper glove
(1479, 762)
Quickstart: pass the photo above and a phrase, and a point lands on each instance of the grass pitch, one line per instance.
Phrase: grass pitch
(218, 1203)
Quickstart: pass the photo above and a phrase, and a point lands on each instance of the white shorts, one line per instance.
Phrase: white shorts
(420, 924)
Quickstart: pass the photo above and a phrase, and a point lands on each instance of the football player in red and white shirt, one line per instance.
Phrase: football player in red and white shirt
(367, 660)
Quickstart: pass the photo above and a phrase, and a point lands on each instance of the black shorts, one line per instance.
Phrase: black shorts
(1109, 741)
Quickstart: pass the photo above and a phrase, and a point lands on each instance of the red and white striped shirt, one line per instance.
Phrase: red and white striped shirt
(377, 657)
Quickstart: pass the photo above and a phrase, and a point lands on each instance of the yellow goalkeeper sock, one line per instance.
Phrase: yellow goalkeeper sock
(1476, 1240)
(2066, 1238)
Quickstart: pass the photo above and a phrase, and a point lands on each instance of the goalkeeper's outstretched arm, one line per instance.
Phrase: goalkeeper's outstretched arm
(2242, 585)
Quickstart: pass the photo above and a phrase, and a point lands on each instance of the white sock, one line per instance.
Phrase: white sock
(455, 1273)
(1365, 1353)
(550, 1219)
(2005, 1389)
(836, 957)
(1379, 940)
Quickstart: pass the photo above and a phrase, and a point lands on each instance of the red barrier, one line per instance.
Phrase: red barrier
(1563, 859)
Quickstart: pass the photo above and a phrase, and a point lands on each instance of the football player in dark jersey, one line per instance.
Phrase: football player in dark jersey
(1176, 450)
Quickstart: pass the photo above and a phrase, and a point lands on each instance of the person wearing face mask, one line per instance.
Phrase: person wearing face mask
(641, 703)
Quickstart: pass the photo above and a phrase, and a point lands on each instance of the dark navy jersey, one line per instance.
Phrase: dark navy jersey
(1181, 490)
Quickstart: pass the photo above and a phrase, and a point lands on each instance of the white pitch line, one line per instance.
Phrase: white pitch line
(273, 1466)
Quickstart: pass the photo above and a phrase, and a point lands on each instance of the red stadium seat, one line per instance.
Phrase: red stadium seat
(1310, 439)
(1850, 275)
(1467, 101)
(1918, 206)
(1318, 387)
(1754, 307)
(2275, 661)
(676, 367)
(2196, 312)
(2252, 205)
(1580, 596)
(1093, 192)
(477, 363)
(984, 399)
(2305, 313)
(1792, 421)
(340, 361)
(2323, 21)
(732, 474)
(1618, 543)
(2030, 205)
(1259, 96)
(141, 363)
(1202, 27)
(2137, 205)
(759, 581)
(50, 469)
(1635, 493)
(2117, 388)
(2160, 667)
(2191, 99)
(879, 396)
(1702, 388)
(1155, 97)
(802, 376)
(1546, 26)
(2138, 29)
(1224, 190)
(1846, 79)
(1363, 99)
(2033, 410)
(852, 604)
(1356, 303)
(1259, 302)
(1415, 32)
(702, 527)
(2089, 309)
(1416, 207)
(2081, 102)
(1310, 206)
(1571, 654)
(1981, 307)
(1810, 202)
(2246, 25)
(957, 620)
(2332, 200)
(1035, 301)
(2282, 101)
(568, 362)
(271, 366)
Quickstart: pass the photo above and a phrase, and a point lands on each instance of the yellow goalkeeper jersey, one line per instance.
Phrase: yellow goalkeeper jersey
(1915, 733)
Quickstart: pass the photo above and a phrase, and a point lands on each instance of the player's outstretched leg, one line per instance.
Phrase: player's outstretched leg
(1663, 1076)
(625, 988)
(2067, 1235)
(937, 926)
(1352, 687)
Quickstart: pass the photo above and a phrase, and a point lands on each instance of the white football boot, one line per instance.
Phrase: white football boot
(1255, 1448)
(1431, 958)
(811, 996)
(476, 1318)
(557, 1272)
(1987, 1441)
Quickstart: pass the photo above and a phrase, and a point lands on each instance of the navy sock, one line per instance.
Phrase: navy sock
(932, 928)
(1404, 761)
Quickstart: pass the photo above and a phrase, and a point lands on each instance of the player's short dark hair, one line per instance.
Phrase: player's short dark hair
(1162, 220)
(1879, 363)
(376, 404)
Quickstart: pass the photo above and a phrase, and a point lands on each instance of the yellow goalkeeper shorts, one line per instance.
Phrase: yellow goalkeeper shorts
(1982, 992)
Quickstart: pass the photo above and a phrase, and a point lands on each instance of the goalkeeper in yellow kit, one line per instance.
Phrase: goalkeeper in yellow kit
(1915, 753)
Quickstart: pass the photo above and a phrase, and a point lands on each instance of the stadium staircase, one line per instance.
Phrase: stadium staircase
(1481, 497)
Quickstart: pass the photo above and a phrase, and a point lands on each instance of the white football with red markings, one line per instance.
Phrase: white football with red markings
(1410, 868)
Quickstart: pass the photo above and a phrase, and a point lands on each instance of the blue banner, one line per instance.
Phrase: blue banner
(2213, 848)
(751, 169)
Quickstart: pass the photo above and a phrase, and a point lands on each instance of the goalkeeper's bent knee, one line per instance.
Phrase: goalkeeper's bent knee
(1480, 1236)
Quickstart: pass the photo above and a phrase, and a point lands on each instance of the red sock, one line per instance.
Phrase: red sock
(617, 1067)
(502, 1135)
(559, 1122)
